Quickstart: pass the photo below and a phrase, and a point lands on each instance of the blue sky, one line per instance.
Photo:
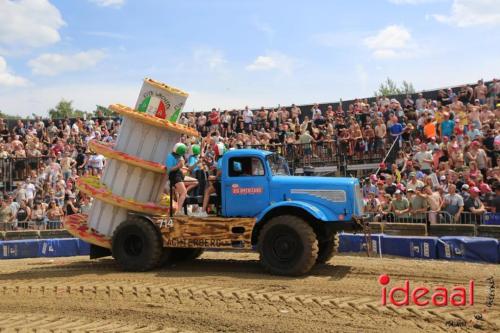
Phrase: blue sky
(229, 53)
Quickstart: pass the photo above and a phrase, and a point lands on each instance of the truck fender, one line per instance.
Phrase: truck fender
(311, 209)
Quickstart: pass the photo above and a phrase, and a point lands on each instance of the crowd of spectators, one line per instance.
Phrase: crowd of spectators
(443, 152)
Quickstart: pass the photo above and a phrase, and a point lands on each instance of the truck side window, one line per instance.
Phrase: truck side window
(245, 166)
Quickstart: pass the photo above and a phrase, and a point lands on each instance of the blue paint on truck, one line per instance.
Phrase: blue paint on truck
(256, 182)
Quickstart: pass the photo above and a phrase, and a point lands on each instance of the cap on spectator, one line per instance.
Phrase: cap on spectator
(373, 177)
(476, 100)
(475, 143)
(397, 192)
(419, 187)
(410, 190)
(465, 187)
(443, 177)
(380, 182)
(413, 174)
(400, 187)
(446, 114)
(382, 165)
(498, 105)
(455, 146)
(475, 190)
(485, 188)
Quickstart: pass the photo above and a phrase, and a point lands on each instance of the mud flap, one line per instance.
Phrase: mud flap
(97, 252)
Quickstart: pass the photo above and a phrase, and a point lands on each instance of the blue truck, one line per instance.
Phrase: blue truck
(290, 221)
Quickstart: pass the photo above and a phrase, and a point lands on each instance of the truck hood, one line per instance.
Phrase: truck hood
(336, 194)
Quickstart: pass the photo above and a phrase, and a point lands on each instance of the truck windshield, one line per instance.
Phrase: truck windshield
(278, 165)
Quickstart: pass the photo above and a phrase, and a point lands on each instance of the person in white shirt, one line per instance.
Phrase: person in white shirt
(30, 192)
(248, 119)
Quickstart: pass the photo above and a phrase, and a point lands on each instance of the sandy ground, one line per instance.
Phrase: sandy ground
(228, 292)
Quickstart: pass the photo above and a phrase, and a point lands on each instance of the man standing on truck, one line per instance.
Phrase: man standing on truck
(214, 181)
(175, 163)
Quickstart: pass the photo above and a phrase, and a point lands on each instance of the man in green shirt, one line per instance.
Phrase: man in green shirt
(400, 207)
(419, 205)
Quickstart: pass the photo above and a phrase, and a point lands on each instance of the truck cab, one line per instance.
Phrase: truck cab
(256, 182)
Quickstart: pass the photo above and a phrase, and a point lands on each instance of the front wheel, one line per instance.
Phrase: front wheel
(327, 249)
(137, 245)
(287, 246)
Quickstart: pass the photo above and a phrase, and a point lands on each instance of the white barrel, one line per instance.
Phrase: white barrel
(145, 141)
(132, 182)
(160, 100)
(104, 218)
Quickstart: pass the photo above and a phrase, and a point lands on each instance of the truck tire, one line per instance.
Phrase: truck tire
(287, 246)
(184, 254)
(327, 249)
(137, 245)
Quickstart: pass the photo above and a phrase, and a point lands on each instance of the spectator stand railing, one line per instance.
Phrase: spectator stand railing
(31, 225)
(429, 217)
(15, 169)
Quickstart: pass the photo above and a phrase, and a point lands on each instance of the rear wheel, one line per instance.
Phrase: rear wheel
(327, 249)
(287, 246)
(137, 245)
(184, 254)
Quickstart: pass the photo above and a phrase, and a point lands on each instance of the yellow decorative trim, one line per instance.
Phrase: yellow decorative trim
(77, 226)
(91, 186)
(165, 87)
(109, 152)
(153, 121)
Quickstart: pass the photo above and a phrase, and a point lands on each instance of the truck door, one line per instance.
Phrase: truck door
(246, 191)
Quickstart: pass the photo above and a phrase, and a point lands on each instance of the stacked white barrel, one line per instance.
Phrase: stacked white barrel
(143, 141)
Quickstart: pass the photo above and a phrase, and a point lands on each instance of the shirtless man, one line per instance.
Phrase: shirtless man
(380, 133)
(474, 116)
(480, 92)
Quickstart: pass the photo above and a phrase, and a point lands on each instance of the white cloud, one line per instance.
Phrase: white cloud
(394, 41)
(272, 61)
(265, 28)
(8, 79)
(55, 63)
(212, 58)
(109, 3)
(28, 24)
(465, 13)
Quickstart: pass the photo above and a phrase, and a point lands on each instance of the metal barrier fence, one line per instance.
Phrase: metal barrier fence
(31, 225)
(429, 217)
(14, 169)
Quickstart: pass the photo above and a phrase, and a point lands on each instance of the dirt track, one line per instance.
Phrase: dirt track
(227, 292)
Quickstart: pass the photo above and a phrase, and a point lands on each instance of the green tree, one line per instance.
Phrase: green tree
(64, 109)
(8, 116)
(390, 87)
(102, 111)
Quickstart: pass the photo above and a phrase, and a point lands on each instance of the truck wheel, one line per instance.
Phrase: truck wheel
(184, 254)
(327, 249)
(137, 245)
(287, 246)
